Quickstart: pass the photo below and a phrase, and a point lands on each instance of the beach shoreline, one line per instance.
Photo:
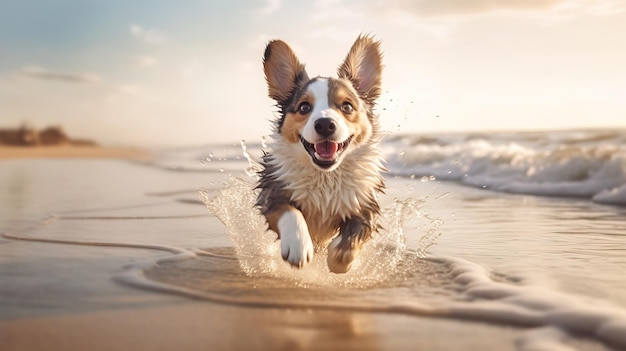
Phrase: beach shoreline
(120, 214)
(72, 151)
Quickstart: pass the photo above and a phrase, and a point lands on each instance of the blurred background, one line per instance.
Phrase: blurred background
(165, 73)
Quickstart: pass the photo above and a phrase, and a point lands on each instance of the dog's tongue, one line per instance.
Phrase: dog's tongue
(327, 149)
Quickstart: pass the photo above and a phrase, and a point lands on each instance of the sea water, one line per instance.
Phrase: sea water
(554, 263)
(465, 237)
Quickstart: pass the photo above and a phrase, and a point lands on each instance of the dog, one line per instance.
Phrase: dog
(320, 181)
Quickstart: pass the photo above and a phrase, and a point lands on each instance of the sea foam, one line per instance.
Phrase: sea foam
(589, 164)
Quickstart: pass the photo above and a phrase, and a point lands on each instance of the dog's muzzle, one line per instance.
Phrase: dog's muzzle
(325, 153)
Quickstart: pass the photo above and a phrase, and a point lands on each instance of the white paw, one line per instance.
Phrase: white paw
(296, 246)
(340, 259)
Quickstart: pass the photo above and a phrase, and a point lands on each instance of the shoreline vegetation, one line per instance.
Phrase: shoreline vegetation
(53, 142)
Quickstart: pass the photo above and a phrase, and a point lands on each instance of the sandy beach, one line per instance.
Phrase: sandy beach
(74, 229)
(201, 326)
(71, 151)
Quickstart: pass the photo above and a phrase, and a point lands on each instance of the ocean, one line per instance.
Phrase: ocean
(495, 241)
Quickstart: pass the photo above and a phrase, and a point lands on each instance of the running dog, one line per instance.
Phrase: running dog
(320, 182)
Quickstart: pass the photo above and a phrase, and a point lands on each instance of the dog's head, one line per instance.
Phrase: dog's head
(330, 117)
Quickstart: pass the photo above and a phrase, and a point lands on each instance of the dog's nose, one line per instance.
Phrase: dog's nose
(325, 127)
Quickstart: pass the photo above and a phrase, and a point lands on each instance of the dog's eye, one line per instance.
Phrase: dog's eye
(304, 108)
(346, 107)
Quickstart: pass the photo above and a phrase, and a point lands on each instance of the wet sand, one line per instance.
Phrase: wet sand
(69, 151)
(63, 297)
(205, 326)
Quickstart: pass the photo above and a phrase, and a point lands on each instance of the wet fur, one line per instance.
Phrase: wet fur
(339, 203)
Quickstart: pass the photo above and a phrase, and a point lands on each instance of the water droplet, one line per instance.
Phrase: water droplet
(432, 177)
(442, 195)
(424, 179)
(412, 176)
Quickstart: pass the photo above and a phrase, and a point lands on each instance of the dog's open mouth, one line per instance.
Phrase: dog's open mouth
(325, 153)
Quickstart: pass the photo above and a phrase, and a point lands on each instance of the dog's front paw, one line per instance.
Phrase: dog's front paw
(296, 246)
(340, 256)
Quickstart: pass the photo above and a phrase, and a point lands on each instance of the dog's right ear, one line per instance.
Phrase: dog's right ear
(283, 71)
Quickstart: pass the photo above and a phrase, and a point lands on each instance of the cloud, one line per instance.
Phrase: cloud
(434, 8)
(271, 6)
(41, 73)
(147, 35)
(439, 18)
(145, 61)
(426, 8)
(131, 89)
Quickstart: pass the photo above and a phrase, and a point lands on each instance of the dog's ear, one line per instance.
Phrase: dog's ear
(283, 71)
(363, 67)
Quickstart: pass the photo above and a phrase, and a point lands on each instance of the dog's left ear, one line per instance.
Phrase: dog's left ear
(363, 67)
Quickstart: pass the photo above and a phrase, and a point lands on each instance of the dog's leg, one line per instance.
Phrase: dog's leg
(344, 248)
(296, 246)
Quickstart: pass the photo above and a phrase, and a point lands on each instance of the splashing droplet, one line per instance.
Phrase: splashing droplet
(253, 167)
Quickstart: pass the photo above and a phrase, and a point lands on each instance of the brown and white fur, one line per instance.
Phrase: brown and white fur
(320, 182)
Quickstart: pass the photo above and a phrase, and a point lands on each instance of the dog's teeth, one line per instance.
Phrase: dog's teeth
(319, 157)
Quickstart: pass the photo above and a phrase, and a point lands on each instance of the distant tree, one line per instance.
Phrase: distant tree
(53, 136)
(27, 136)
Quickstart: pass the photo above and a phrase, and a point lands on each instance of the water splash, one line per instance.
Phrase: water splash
(258, 249)
(253, 166)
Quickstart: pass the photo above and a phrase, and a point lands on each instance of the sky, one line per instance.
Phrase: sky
(161, 73)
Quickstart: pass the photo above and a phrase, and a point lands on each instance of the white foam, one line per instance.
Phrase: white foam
(615, 195)
(582, 164)
(536, 306)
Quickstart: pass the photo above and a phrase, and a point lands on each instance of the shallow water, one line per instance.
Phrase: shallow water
(554, 265)
(507, 272)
